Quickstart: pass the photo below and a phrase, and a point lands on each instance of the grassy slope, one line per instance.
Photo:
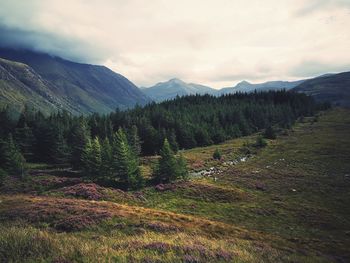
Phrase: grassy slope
(289, 202)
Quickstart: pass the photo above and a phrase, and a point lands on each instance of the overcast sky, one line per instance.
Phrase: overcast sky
(212, 42)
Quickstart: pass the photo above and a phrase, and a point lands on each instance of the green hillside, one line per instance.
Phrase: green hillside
(77, 88)
(287, 202)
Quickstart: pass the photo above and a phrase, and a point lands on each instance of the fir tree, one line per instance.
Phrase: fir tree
(91, 158)
(134, 140)
(167, 168)
(25, 140)
(11, 159)
(107, 159)
(78, 139)
(182, 168)
(126, 162)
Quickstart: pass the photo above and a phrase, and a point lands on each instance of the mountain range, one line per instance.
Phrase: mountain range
(52, 83)
(334, 88)
(175, 87)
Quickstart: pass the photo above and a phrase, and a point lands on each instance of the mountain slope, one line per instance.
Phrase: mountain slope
(333, 88)
(175, 87)
(86, 88)
(20, 85)
(245, 86)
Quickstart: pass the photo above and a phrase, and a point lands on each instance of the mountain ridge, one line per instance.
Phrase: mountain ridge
(86, 88)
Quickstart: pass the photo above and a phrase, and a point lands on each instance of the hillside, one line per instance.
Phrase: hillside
(21, 85)
(80, 88)
(334, 88)
(175, 87)
(245, 86)
(272, 205)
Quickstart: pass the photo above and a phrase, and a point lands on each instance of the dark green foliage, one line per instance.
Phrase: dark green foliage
(134, 140)
(11, 159)
(260, 142)
(79, 136)
(170, 168)
(91, 158)
(270, 133)
(217, 154)
(182, 168)
(186, 122)
(126, 163)
(166, 170)
(107, 160)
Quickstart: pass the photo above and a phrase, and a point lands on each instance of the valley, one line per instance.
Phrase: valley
(286, 202)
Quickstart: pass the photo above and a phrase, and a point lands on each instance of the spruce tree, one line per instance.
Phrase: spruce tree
(126, 162)
(166, 170)
(134, 140)
(106, 159)
(25, 140)
(11, 159)
(78, 139)
(91, 158)
(182, 167)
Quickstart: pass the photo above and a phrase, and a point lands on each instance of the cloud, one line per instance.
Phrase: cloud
(316, 68)
(213, 42)
(316, 5)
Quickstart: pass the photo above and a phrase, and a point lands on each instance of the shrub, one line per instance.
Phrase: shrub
(217, 154)
(260, 142)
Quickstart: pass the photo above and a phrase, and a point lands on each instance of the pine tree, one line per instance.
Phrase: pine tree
(166, 170)
(11, 159)
(134, 140)
(78, 139)
(25, 140)
(91, 158)
(126, 162)
(173, 142)
(182, 167)
(107, 159)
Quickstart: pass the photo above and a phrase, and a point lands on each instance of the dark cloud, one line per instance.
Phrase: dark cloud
(66, 47)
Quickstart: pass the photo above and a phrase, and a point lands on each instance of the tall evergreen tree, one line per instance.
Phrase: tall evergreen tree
(106, 159)
(11, 159)
(25, 139)
(91, 158)
(126, 162)
(134, 140)
(167, 168)
(79, 137)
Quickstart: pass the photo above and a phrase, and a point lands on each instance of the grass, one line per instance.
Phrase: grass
(287, 203)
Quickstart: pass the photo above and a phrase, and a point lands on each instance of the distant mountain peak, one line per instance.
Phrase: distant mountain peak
(243, 82)
(175, 87)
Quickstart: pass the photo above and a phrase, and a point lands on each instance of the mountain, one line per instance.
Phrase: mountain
(245, 86)
(79, 88)
(175, 87)
(334, 88)
(20, 85)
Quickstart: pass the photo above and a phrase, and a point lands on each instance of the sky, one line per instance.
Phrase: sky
(212, 42)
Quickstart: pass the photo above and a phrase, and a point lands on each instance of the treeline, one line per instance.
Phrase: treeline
(185, 122)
